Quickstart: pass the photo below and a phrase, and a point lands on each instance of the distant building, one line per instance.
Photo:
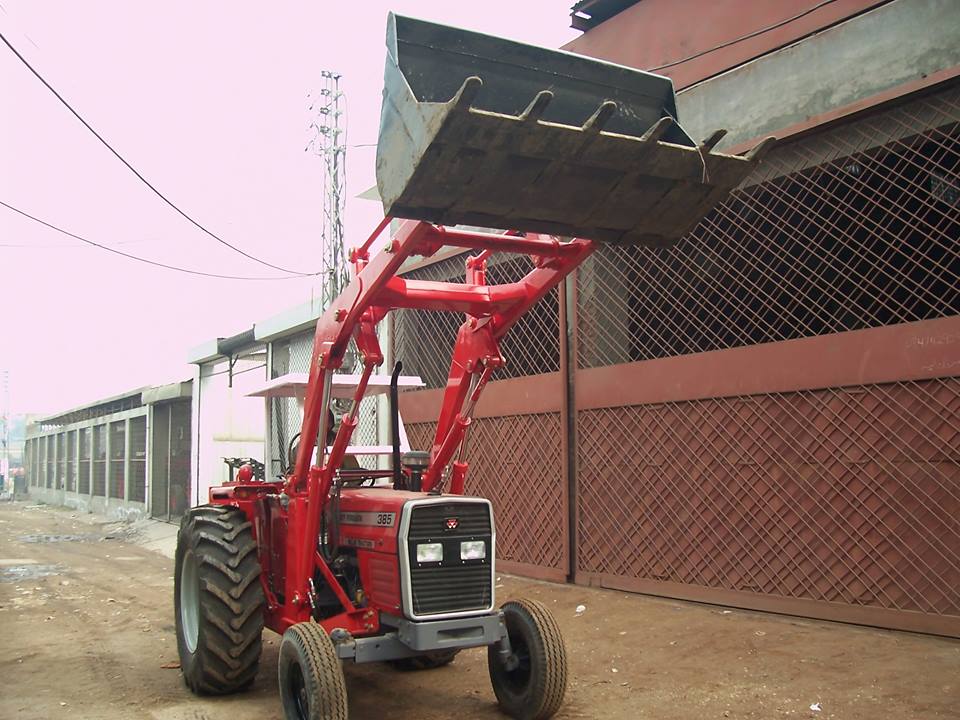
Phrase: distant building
(229, 421)
(123, 456)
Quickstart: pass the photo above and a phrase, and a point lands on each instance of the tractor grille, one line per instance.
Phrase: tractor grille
(452, 585)
(450, 589)
(429, 521)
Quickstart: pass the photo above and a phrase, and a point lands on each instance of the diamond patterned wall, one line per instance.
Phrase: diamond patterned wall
(842, 495)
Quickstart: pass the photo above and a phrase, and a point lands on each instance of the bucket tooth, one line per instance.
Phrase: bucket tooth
(465, 96)
(600, 118)
(756, 153)
(537, 107)
(657, 130)
(711, 142)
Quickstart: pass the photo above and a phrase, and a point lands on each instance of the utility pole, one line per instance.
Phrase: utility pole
(328, 142)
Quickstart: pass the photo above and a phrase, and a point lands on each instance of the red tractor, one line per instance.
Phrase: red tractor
(397, 565)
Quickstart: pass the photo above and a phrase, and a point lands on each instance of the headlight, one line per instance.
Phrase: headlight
(473, 550)
(429, 552)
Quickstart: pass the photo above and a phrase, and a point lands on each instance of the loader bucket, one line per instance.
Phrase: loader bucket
(478, 130)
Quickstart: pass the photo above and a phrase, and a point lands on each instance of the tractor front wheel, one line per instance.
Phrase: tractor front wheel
(218, 600)
(532, 686)
(312, 686)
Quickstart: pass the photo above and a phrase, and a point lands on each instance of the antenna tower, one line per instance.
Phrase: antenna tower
(328, 142)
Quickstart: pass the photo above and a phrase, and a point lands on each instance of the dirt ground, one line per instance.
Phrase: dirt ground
(86, 628)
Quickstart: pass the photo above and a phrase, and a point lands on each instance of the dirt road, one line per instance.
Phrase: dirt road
(86, 627)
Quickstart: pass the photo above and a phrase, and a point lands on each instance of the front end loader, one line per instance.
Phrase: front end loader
(550, 154)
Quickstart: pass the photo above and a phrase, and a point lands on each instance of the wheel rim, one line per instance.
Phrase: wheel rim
(518, 679)
(190, 602)
(297, 686)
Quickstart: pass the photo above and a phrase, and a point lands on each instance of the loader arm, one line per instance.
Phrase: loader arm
(376, 289)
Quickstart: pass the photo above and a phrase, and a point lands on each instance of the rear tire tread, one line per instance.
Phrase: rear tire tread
(231, 600)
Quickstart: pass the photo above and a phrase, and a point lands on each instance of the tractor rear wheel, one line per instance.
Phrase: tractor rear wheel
(312, 686)
(534, 689)
(427, 661)
(218, 600)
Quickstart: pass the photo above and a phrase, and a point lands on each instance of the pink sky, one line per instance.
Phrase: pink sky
(209, 101)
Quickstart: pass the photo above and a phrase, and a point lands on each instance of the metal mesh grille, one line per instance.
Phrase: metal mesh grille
(423, 340)
(850, 228)
(100, 460)
(50, 450)
(286, 415)
(516, 462)
(83, 475)
(366, 432)
(34, 446)
(160, 461)
(138, 459)
(532, 345)
(279, 416)
(71, 461)
(61, 460)
(846, 495)
(180, 459)
(279, 431)
(118, 433)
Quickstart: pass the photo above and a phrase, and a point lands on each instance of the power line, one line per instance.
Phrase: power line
(137, 173)
(742, 38)
(46, 246)
(137, 257)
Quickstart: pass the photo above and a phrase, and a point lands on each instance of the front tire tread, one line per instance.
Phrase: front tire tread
(546, 685)
(308, 644)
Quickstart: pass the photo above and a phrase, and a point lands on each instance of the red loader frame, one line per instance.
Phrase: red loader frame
(491, 310)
